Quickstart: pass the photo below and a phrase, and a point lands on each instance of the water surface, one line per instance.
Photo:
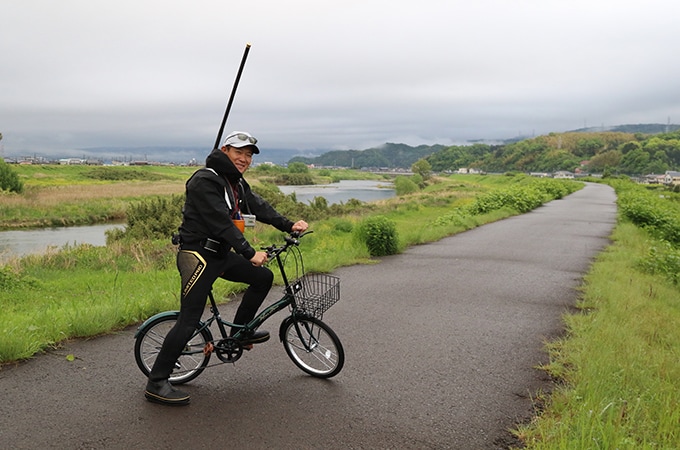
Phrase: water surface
(364, 190)
(25, 242)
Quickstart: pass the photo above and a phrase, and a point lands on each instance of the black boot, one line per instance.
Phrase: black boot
(163, 392)
(253, 337)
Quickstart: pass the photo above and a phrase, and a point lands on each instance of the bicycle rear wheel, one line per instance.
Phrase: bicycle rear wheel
(190, 363)
(313, 346)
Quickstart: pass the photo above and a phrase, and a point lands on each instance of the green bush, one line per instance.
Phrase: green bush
(121, 174)
(419, 180)
(294, 179)
(9, 180)
(522, 197)
(152, 218)
(404, 185)
(380, 235)
(343, 225)
(659, 216)
(662, 259)
(298, 167)
(11, 279)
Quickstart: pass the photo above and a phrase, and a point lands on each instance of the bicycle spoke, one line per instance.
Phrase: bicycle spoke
(190, 363)
(313, 347)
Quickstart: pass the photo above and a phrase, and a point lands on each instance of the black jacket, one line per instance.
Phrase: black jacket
(210, 203)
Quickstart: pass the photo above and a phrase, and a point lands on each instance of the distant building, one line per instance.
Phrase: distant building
(654, 179)
(71, 161)
(563, 174)
(467, 170)
(671, 178)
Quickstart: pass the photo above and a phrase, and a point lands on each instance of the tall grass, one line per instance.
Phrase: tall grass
(77, 204)
(619, 364)
(77, 195)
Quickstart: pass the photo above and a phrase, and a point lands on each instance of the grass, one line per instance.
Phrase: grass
(619, 365)
(78, 195)
(83, 291)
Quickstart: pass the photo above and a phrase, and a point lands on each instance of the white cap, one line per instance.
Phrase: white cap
(240, 139)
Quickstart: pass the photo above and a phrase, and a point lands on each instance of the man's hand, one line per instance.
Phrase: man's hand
(260, 259)
(300, 226)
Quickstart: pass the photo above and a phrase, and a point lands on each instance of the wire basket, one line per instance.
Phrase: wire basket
(316, 292)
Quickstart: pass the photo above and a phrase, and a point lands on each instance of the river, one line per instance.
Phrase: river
(25, 242)
(364, 190)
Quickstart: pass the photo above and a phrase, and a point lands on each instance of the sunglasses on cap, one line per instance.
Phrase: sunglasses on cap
(243, 137)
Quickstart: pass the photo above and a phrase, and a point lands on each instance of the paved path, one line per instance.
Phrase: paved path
(441, 342)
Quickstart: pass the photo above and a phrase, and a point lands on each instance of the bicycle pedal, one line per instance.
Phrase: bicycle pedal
(208, 349)
(248, 347)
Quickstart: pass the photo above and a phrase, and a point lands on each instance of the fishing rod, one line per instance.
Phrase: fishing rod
(231, 97)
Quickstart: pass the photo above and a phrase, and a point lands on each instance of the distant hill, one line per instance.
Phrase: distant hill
(388, 155)
(176, 155)
(615, 152)
(645, 128)
(538, 153)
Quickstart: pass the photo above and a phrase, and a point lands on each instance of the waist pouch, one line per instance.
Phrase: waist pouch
(211, 245)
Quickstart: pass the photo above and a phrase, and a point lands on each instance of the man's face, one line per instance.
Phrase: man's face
(241, 157)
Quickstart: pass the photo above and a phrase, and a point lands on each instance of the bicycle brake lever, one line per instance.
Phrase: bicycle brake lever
(291, 240)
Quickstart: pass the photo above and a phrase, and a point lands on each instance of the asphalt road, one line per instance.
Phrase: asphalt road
(442, 344)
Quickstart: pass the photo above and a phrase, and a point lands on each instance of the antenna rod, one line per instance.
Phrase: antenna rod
(231, 97)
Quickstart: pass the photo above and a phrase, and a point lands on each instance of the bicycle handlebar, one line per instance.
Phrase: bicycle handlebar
(293, 238)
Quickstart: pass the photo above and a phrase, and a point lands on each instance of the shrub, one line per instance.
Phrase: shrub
(298, 167)
(649, 211)
(523, 197)
(117, 174)
(404, 185)
(380, 235)
(152, 218)
(663, 259)
(343, 225)
(419, 180)
(294, 179)
(11, 279)
(9, 180)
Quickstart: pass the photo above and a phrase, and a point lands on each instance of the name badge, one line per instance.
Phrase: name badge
(249, 219)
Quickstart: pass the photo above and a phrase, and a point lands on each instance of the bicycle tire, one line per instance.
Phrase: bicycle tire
(188, 366)
(321, 354)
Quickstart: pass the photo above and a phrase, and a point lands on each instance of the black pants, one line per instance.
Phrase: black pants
(199, 269)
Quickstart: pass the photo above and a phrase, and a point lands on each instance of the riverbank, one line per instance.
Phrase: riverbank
(61, 196)
(78, 204)
(24, 242)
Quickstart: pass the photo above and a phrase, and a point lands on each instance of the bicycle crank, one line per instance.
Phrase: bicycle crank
(228, 350)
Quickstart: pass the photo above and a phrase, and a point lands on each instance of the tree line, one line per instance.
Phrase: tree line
(615, 152)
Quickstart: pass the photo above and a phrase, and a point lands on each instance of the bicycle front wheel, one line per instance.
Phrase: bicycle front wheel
(190, 363)
(313, 346)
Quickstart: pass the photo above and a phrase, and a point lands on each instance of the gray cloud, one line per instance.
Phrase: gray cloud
(78, 74)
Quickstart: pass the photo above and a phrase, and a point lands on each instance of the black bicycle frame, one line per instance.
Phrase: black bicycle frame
(287, 299)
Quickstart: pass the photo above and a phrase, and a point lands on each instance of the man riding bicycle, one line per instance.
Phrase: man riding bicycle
(212, 245)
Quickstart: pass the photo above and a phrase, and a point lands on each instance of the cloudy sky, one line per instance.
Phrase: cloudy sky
(329, 75)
